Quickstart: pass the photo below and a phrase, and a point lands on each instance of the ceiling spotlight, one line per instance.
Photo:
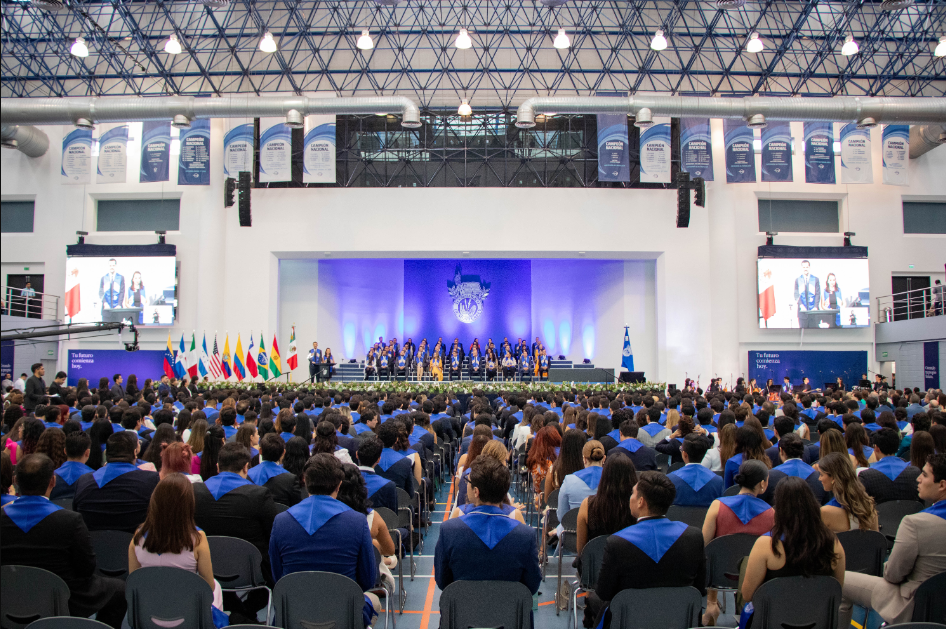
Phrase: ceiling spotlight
(464, 109)
(463, 40)
(79, 49)
(268, 44)
(659, 42)
(365, 42)
(850, 46)
(561, 40)
(754, 44)
(643, 119)
(172, 46)
(940, 48)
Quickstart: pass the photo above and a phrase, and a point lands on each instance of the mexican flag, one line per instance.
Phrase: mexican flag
(766, 295)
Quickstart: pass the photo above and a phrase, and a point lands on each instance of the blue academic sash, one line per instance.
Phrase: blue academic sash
(313, 512)
(890, 466)
(223, 483)
(938, 508)
(695, 475)
(28, 511)
(286, 436)
(261, 473)
(796, 467)
(489, 524)
(388, 458)
(652, 429)
(631, 445)
(103, 476)
(653, 537)
(70, 471)
(590, 476)
(615, 434)
(745, 506)
(373, 482)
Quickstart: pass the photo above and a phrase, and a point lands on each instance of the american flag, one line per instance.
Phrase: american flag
(216, 369)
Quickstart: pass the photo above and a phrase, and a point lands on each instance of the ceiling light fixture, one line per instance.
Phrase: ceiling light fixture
(365, 42)
(561, 40)
(754, 44)
(268, 44)
(79, 49)
(940, 48)
(464, 109)
(850, 46)
(172, 46)
(463, 41)
(659, 42)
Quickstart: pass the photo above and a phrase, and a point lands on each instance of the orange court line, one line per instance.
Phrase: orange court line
(431, 587)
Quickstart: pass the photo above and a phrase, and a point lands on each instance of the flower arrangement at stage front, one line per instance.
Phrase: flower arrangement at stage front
(444, 387)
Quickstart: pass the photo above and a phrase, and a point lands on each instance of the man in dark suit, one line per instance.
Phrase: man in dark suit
(392, 465)
(116, 496)
(111, 287)
(807, 291)
(783, 426)
(644, 458)
(35, 389)
(38, 533)
(791, 451)
(282, 485)
(655, 552)
(890, 478)
(486, 544)
(381, 491)
(118, 391)
(696, 486)
(78, 450)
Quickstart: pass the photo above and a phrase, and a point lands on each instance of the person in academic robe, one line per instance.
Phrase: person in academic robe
(655, 552)
(509, 366)
(890, 477)
(78, 449)
(315, 364)
(328, 365)
(436, 366)
(485, 544)
(393, 465)
(370, 359)
(455, 364)
(525, 364)
(421, 362)
(383, 363)
(41, 534)
(476, 370)
(696, 486)
(381, 491)
(543, 364)
(644, 458)
(281, 483)
(791, 451)
(492, 365)
(402, 365)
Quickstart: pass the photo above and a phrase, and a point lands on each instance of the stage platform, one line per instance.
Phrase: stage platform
(559, 371)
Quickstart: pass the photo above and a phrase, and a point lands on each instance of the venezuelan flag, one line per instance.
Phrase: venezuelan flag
(238, 369)
(169, 360)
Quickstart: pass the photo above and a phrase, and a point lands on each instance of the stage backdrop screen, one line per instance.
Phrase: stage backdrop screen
(105, 363)
(142, 290)
(813, 293)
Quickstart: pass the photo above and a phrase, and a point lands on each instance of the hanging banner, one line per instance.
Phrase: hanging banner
(740, 154)
(777, 152)
(318, 156)
(155, 152)
(113, 154)
(275, 150)
(238, 148)
(193, 167)
(655, 152)
(613, 158)
(855, 155)
(696, 148)
(819, 152)
(896, 152)
(77, 156)
(931, 378)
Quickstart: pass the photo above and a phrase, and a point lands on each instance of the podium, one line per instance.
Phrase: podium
(117, 315)
(814, 318)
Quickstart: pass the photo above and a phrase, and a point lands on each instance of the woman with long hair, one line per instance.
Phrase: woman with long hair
(30, 433)
(673, 418)
(851, 508)
(542, 456)
(52, 443)
(14, 431)
(831, 298)
(184, 420)
(164, 435)
(99, 432)
(297, 454)
(213, 441)
(831, 441)
(353, 492)
(748, 446)
(581, 483)
(858, 445)
(717, 456)
(495, 450)
(753, 422)
(198, 430)
(104, 389)
(328, 363)
(283, 414)
(326, 440)
(170, 538)
(131, 386)
(248, 437)
(569, 460)
(477, 445)
(938, 433)
(463, 463)
(922, 447)
(303, 427)
(176, 459)
(609, 510)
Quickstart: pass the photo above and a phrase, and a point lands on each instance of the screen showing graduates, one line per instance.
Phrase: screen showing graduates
(813, 293)
(139, 290)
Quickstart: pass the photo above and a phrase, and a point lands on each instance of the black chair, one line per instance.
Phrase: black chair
(160, 597)
(732, 491)
(676, 466)
(915, 625)
(65, 503)
(28, 594)
(667, 608)
(380, 587)
(280, 507)
(723, 555)
(461, 605)
(592, 555)
(318, 599)
(67, 622)
(238, 566)
(792, 602)
(691, 516)
(405, 516)
(111, 553)
(864, 551)
(890, 513)
(929, 603)
(549, 523)
(392, 523)
(567, 543)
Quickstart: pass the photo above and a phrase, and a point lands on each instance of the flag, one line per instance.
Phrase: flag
(225, 363)
(627, 360)
(203, 363)
(293, 360)
(180, 368)
(766, 295)
(216, 368)
(275, 367)
(238, 369)
(250, 361)
(193, 360)
(73, 300)
(261, 360)
(169, 359)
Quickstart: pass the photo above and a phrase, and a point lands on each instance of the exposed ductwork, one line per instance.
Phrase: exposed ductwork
(29, 140)
(924, 139)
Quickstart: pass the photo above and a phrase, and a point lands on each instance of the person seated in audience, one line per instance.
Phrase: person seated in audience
(578, 486)
(651, 431)
(717, 456)
(921, 447)
(654, 552)
(116, 496)
(479, 442)
(393, 465)
(609, 510)
(919, 553)
(542, 455)
(799, 545)
(78, 448)
(696, 486)
(671, 445)
(38, 533)
(745, 512)
(354, 493)
(851, 508)
(170, 538)
(889, 478)
(569, 461)
(783, 426)
(644, 458)
(750, 444)
(7, 493)
(323, 534)
(176, 459)
(494, 449)
(381, 491)
(791, 450)
(479, 546)
(272, 475)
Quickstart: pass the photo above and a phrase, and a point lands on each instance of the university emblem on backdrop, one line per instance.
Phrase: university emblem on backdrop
(468, 293)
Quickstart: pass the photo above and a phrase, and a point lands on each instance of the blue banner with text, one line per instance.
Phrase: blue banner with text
(105, 363)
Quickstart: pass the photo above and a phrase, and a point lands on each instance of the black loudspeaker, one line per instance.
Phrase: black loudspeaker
(632, 376)
(229, 189)
(246, 218)
(581, 375)
(683, 199)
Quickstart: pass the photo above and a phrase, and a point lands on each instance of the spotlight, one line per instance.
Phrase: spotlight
(644, 118)
(659, 42)
(847, 238)
(81, 236)
(561, 40)
(464, 109)
(754, 44)
(940, 50)
(770, 238)
(294, 119)
(162, 237)
(850, 46)
(365, 42)
(756, 121)
(463, 41)
(180, 121)
(172, 46)
(79, 49)
(268, 44)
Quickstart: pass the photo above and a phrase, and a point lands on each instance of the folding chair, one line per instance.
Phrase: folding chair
(890, 513)
(915, 625)
(592, 555)
(787, 602)
(549, 522)
(864, 551)
(111, 553)
(732, 491)
(381, 586)
(405, 516)
(676, 466)
(568, 543)
(67, 622)
(318, 599)
(929, 603)
(667, 608)
(462, 605)
(65, 503)
(691, 516)
(168, 597)
(392, 523)
(28, 594)
(238, 567)
(723, 555)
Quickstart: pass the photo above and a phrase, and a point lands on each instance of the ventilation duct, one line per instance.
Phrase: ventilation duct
(28, 140)
(215, 4)
(730, 5)
(50, 5)
(924, 139)
(895, 5)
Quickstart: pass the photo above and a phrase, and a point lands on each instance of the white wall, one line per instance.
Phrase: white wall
(704, 280)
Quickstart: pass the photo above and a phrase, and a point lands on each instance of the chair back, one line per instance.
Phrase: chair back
(111, 553)
(569, 539)
(404, 508)
(890, 513)
(864, 551)
(280, 507)
(723, 556)
(667, 608)
(676, 466)
(461, 605)
(28, 594)
(592, 556)
(552, 499)
(318, 599)
(65, 503)
(732, 491)
(929, 603)
(160, 597)
(237, 563)
(797, 602)
(691, 516)
(390, 518)
(67, 622)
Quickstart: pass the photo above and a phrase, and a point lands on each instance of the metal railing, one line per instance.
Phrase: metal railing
(918, 303)
(25, 302)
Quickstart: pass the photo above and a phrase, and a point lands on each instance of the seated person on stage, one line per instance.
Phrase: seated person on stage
(383, 363)
(436, 366)
(116, 496)
(381, 491)
(78, 450)
(370, 361)
(455, 365)
(476, 371)
(271, 474)
(323, 534)
(644, 458)
(491, 366)
(543, 365)
(509, 366)
(479, 546)
(696, 486)
(393, 465)
(655, 552)
(38, 533)
(791, 451)
(890, 478)
(851, 508)
(918, 554)
(402, 364)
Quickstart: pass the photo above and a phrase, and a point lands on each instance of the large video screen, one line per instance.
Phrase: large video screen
(813, 293)
(139, 290)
